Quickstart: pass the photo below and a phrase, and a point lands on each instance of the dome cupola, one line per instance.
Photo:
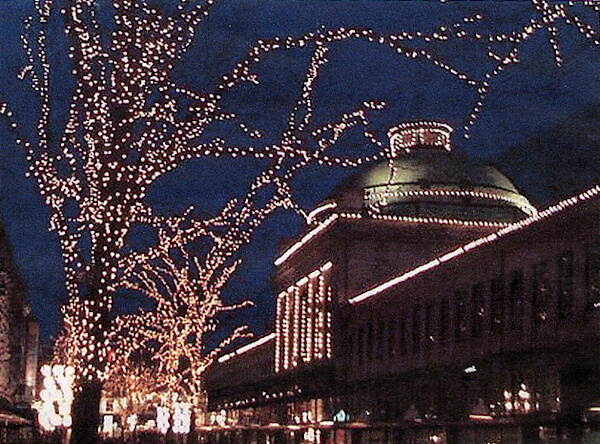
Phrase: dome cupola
(423, 179)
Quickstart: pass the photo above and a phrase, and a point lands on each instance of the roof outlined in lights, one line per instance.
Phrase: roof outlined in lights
(247, 348)
(548, 212)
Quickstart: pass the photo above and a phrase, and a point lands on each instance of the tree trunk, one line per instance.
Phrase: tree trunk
(86, 413)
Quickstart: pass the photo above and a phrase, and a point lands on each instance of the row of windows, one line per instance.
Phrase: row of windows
(303, 323)
(489, 308)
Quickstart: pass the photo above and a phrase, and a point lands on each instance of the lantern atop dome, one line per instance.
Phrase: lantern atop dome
(410, 136)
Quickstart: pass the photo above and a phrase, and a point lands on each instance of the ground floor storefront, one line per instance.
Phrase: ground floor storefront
(499, 432)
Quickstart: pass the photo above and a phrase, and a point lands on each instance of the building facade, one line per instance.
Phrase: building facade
(428, 301)
(19, 344)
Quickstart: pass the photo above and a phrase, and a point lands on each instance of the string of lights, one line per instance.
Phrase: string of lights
(308, 336)
(377, 198)
(549, 212)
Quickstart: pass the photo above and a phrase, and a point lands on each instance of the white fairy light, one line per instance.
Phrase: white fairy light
(247, 348)
(56, 397)
(162, 419)
(181, 418)
(410, 135)
(303, 331)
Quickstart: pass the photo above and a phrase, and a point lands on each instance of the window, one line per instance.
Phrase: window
(351, 347)
(478, 307)
(444, 319)
(565, 284)
(460, 315)
(541, 293)
(303, 315)
(516, 302)
(360, 343)
(496, 306)
(391, 340)
(288, 329)
(416, 329)
(429, 323)
(369, 345)
(379, 340)
(592, 275)
(402, 342)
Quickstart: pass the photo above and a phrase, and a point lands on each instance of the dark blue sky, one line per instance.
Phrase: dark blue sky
(523, 102)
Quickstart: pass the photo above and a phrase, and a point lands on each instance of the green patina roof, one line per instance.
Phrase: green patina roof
(431, 169)
(437, 183)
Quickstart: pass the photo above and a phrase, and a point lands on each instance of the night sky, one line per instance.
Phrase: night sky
(526, 102)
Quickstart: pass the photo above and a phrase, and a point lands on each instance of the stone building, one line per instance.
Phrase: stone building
(19, 343)
(18, 332)
(428, 301)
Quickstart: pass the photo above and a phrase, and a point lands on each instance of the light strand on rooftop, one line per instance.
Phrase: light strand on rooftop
(550, 211)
